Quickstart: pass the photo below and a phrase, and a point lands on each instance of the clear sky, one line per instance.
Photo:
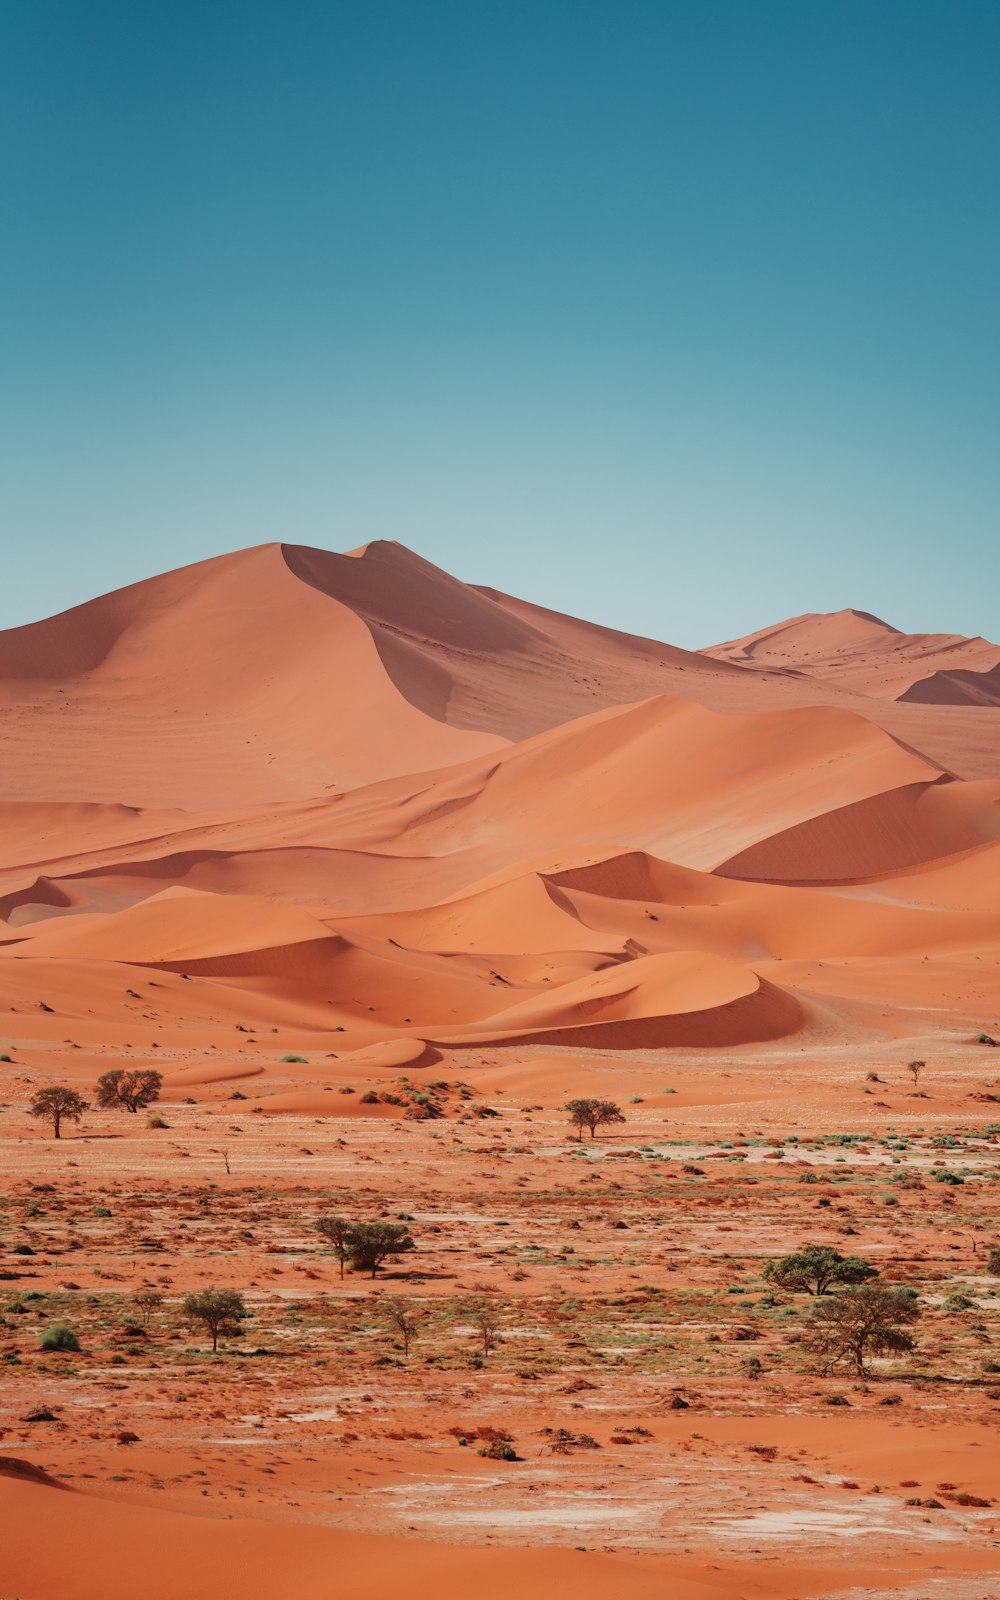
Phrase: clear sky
(680, 315)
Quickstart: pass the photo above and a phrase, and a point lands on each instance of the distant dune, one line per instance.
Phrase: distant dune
(854, 650)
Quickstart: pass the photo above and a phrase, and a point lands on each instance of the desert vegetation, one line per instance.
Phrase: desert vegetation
(544, 1300)
(592, 1114)
(127, 1089)
(56, 1105)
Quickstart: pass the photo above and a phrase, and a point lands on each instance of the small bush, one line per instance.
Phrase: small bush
(59, 1337)
(499, 1450)
(297, 1061)
(156, 1121)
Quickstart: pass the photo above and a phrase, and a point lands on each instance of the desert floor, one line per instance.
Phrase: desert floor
(628, 1272)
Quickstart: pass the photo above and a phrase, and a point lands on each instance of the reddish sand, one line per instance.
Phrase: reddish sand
(377, 869)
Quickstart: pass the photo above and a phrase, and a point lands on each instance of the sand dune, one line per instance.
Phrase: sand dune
(651, 776)
(496, 826)
(222, 683)
(377, 869)
(225, 684)
(240, 1560)
(860, 652)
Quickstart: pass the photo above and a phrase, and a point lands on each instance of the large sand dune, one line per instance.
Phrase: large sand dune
(378, 868)
(359, 789)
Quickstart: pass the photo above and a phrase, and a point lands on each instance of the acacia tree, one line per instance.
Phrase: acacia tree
(815, 1267)
(57, 1105)
(146, 1302)
(871, 1318)
(402, 1317)
(371, 1243)
(915, 1068)
(336, 1231)
(220, 1310)
(364, 1245)
(128, 1090)
(592, 1114)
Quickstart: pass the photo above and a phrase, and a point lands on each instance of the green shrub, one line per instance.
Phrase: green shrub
(298, 1061)
(59, 1337)
(499, 1450)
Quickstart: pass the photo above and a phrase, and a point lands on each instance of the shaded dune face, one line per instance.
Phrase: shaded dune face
(353, 794)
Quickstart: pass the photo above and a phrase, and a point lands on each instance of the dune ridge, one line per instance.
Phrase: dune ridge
(356, 788)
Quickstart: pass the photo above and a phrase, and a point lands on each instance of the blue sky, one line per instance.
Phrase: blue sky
(682, 316)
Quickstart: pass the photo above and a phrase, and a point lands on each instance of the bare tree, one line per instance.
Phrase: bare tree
(57, 1105)
(487, 1320)
(403, 1318)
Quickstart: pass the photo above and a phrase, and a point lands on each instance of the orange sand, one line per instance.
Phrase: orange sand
(296, 827)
